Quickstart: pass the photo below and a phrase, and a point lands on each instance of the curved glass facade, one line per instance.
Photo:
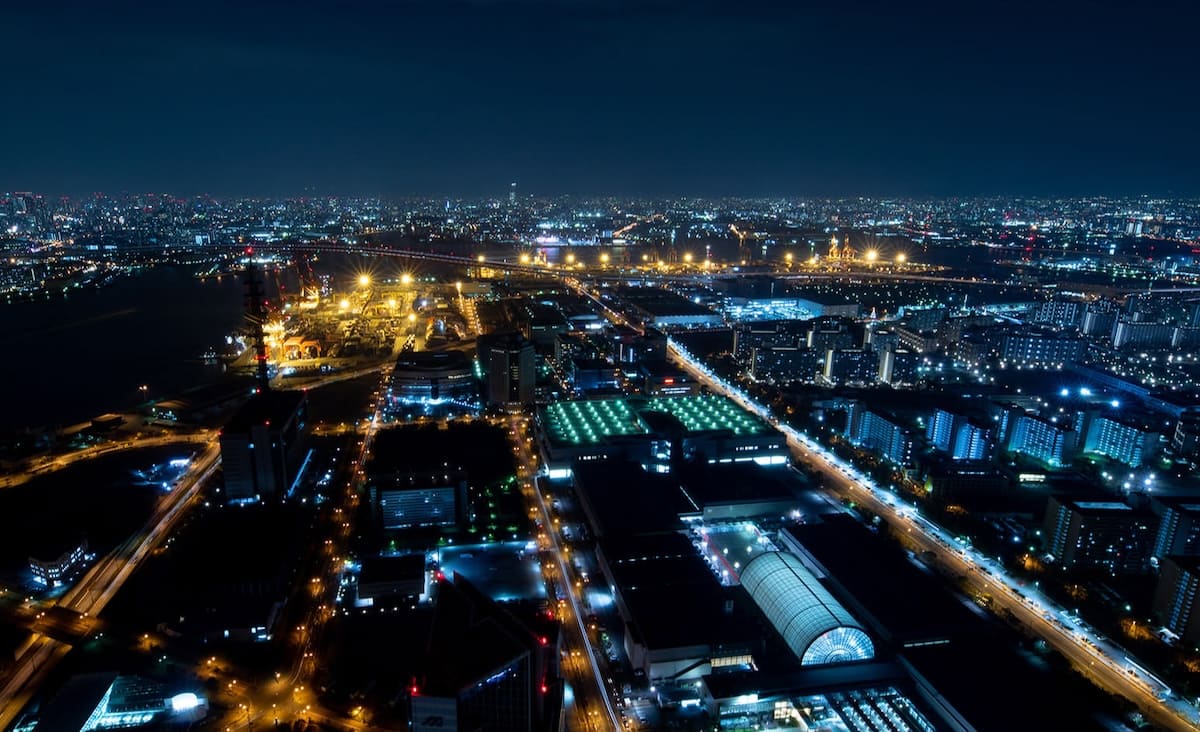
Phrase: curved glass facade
(812, 623)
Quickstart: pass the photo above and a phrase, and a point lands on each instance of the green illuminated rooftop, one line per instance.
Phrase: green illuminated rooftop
(591, 421)
(703, 413)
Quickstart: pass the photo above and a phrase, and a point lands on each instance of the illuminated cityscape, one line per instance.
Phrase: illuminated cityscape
(531, 366)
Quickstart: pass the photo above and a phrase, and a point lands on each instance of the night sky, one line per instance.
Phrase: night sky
(600, 97)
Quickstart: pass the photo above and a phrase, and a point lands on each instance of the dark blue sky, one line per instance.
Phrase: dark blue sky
(744, 97)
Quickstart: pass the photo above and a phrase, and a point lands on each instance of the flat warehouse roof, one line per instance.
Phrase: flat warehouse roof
(702, 413)
(591, 421)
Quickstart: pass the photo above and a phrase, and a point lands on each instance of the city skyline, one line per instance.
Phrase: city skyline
(599, 365)
(587, 98)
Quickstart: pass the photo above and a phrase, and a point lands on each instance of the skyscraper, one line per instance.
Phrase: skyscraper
(486, 667)
(262, 446)
(508, 363)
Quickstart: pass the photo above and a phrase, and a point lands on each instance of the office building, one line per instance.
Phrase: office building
(661, 379)
(1098, 535)
(406, 500)
(592, 376)
(262, 446)
(485, 667)
(106, 700)
(56, 572)
(508, 363)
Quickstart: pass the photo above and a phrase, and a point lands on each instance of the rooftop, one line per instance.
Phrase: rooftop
(587, 422)
(433, 361)
(673, 597)
(268, 407)
(1101, 506)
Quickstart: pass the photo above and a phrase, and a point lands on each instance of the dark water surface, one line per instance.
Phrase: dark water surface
(66, 360)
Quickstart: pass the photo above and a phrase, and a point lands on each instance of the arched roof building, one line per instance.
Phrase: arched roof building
(812, 623)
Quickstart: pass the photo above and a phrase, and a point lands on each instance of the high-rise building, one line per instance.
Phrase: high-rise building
(1178, 527)
(1059, 313)
(1175, 597)
(262, 446)
(1042, 348)
(941, 429)
(485, 668)
(850, 366)
(1131, 333)
(1100, 534)
(1042, 439)
(1186, 436)
(1124, 442)
(962, 438)
(508, 364)
(873, 431)
(973, 442)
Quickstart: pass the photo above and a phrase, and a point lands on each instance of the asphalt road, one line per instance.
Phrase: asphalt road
(592, 708)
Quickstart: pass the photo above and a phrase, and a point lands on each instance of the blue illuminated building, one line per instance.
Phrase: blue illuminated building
(1042, 439)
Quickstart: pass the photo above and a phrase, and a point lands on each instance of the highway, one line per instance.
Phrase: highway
(592, 708)
(92, 593)
(50, 463)
(1099, 659)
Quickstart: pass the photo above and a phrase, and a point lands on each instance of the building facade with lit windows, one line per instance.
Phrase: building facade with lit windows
(422, 377)
(1047, 441)
(56, 572)
(508, 362)
(1175, 597)
(1042, 348)
(1178, 527)
(1125, 442)
(871, 430)
(262, 446)
(1103, 535)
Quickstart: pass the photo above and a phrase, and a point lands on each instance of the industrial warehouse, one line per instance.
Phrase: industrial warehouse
(655, 431)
